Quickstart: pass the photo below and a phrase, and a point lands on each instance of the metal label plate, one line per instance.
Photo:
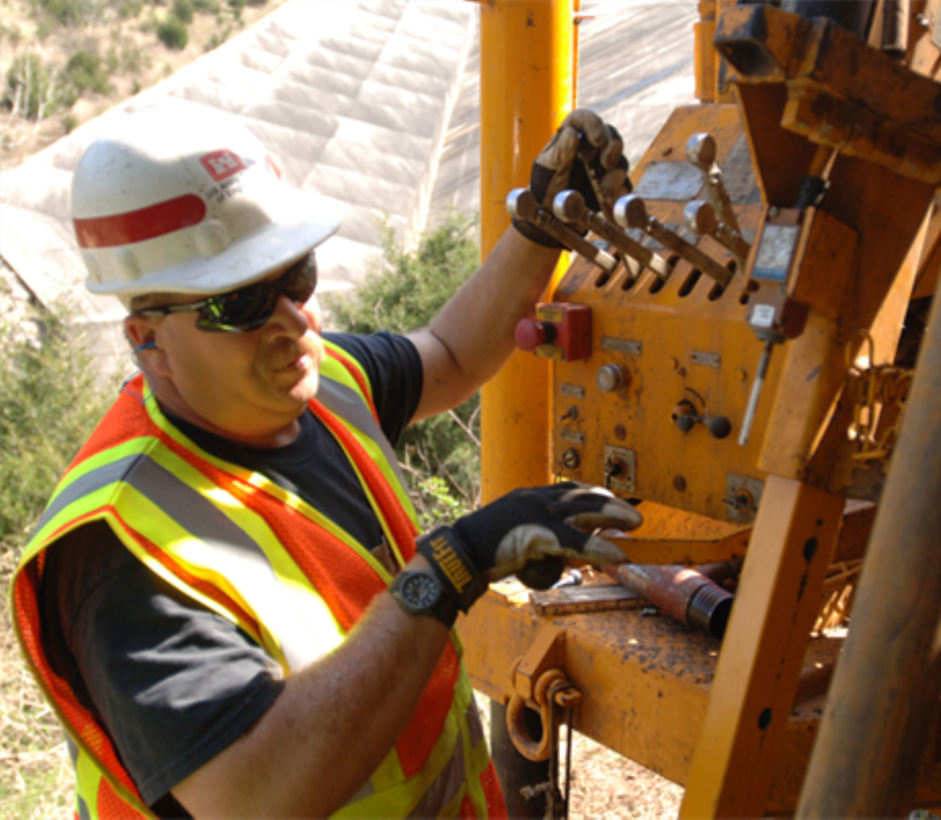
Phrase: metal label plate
(573, 436)
(708, 359)
(672, 181)
(621, 345)
(573, 391)
(775, 252)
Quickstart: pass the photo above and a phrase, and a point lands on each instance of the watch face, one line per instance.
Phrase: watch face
(421, 591)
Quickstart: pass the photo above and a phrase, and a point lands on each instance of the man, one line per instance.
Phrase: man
(228, 600)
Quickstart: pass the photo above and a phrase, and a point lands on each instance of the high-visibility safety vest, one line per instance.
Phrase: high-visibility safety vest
(267, 561)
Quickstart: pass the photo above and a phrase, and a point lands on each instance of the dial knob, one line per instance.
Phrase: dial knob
(610, 378)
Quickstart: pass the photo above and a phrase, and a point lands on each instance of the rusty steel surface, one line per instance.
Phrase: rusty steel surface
(645, 681)
(840, 92)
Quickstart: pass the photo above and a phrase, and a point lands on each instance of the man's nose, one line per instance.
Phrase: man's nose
(289, 317)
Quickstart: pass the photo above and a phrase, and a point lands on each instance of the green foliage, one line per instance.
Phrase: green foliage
(33, 90)
(48, 407)
(66, 12)
(129, 9)
(206, 6)
(440, 454)
(172, 33)
(183, 9)
(86, 73)
(69, 123)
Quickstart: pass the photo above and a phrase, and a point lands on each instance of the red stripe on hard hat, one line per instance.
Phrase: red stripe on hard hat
(136, 226)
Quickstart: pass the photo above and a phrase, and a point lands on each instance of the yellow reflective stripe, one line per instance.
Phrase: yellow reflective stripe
(395, 797)
(333, 369)
(250, 558)
(286, 497)
(329, 364)
(89, 773)
(389, 773)
(159, 527)
(131, 447)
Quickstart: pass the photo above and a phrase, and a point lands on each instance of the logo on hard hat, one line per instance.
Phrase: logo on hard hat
(222, 164)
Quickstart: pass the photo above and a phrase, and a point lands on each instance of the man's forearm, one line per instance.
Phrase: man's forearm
(472, 337)
(330, 728)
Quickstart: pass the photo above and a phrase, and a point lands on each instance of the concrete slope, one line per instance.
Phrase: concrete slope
(372, 104)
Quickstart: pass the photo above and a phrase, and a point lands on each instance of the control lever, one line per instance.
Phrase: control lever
(631, 212)
(700, 217)
(569, 206)
(701, 152)
(522, 204)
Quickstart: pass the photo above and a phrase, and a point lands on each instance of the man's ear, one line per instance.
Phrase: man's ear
(142, 333)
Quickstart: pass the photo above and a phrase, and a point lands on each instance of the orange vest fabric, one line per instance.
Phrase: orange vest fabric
(340, 578)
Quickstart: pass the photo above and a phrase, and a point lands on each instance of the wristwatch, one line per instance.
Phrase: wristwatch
(421, 593)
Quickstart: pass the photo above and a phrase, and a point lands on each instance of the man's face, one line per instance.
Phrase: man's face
(250, 387)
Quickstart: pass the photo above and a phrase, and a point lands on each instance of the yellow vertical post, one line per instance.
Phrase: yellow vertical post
(526, 89)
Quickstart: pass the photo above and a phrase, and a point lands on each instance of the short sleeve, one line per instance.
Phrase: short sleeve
(174, 683)
(395, 372)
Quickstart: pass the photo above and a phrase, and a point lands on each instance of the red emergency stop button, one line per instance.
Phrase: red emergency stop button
(559, 331)
(530, 334)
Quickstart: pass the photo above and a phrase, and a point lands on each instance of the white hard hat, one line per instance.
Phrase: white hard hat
(194, 206)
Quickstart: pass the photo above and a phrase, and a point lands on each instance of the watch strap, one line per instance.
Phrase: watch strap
(449, 559)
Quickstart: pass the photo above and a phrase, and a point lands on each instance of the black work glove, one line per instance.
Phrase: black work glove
(527, 532)
(582, 142)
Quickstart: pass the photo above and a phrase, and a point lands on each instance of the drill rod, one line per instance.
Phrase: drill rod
(569, 206)
(521, 204)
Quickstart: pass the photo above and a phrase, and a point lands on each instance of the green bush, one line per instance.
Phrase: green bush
(183, 9)
(440, 454)
(48, 406)
(206, 6)
(172, 33)
(86, 73)
(33, 89)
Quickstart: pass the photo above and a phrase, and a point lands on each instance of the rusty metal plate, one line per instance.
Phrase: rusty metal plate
(738, 485)
(672, 181)
(627, 480)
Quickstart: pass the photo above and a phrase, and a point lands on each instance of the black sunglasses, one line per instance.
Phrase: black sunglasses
(248, 308)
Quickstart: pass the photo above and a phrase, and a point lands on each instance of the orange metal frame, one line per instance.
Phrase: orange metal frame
(734, 722)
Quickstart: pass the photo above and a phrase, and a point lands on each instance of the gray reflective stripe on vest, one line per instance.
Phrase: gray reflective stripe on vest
(346, 403)
(88, 483)
(235, 555)
(443, 789)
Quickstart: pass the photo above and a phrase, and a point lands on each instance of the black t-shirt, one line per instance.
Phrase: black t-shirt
(175, 683)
